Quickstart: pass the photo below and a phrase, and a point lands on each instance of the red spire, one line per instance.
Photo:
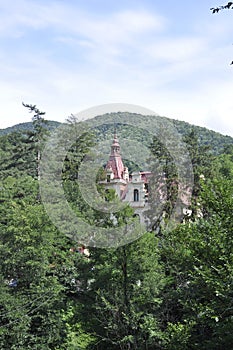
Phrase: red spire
(115, 161)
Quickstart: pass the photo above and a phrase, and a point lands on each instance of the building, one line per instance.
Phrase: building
(131, 188)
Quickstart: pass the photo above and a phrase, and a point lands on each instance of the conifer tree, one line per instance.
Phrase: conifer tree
(38, 136)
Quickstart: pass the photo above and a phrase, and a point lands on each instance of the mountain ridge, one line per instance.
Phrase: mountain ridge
(206, 136)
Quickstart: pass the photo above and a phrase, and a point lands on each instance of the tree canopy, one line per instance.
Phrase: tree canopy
(170, 289)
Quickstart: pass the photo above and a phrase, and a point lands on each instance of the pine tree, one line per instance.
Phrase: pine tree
(38, 136)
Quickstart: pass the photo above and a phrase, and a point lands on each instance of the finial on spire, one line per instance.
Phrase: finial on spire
(115, 143)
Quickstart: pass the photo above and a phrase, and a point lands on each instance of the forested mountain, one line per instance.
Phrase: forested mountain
(168, 290)
(216, 140)
(22, 127)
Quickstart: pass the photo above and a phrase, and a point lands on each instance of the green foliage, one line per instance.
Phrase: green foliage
(205, 137)
(223, 166)
(164, 181)
(17, 158)
(76, 338)
(30, 308)
(38, 136)
(123, 298)
(167, 291)
(201, 158)
(198, 258)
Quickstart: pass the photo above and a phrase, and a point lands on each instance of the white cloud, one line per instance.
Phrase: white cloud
(121, 27)
(176, 49)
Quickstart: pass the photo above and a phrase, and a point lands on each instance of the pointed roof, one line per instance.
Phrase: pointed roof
(115, 161)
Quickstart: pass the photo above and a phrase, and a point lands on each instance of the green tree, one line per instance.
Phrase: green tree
(201, 158)
(163, 185)
(198, 259)
(16, 159)
(38, 136)
(118, 300)
(34, 266)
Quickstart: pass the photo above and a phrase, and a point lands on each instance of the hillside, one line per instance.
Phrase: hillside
(215, 140)
(27, 127)
(206, 136)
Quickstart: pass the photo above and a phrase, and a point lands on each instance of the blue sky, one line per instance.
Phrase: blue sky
(172, 57)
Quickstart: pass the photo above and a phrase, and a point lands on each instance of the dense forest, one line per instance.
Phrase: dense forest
(169, 289)
(205, 136)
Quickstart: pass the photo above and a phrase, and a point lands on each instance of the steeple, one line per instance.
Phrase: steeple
(115, 148)
(115, 162)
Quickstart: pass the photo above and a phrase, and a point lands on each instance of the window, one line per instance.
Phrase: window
(136, 195)
(108, 178)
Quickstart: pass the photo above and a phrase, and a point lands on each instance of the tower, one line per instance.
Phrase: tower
(131, 188)
(115, 163)
(116, 173)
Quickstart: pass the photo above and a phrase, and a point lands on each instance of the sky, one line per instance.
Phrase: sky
(172, 57)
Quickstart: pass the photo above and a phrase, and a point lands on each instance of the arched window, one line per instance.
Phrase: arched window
(135, 195)
(136, 216)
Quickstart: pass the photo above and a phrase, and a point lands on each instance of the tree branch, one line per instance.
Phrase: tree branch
(228, 6)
